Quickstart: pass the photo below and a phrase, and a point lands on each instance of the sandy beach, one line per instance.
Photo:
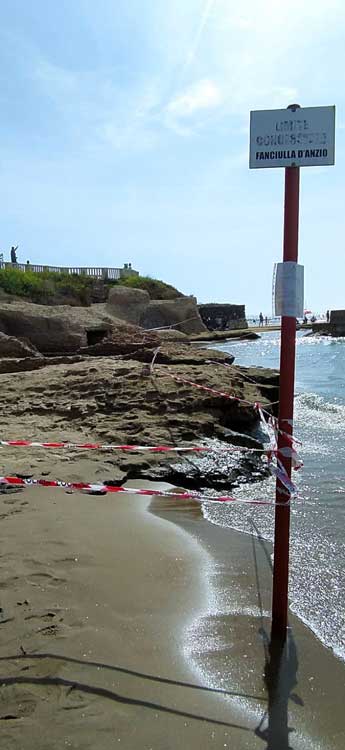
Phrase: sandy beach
(122, 629)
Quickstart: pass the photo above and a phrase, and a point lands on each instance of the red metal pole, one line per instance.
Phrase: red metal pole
(286, 403)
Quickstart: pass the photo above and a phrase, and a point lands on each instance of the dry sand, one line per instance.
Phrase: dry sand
(98, 579)
(114, 619)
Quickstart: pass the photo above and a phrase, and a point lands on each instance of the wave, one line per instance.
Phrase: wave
(312, 404)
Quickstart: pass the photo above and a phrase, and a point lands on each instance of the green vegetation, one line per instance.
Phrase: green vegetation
(156, 289)
(45, 287)
(63, 288)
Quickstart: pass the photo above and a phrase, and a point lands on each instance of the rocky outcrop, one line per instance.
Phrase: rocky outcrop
(181, 313)
(225, 336)
(222, 317)
(60, 329)
(111, 400)
(171, 334)
(128, 304)
(135, 306)
(13, 347)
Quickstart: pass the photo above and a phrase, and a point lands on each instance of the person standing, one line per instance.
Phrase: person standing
(261, 319)
(14, 254)
(327, 316)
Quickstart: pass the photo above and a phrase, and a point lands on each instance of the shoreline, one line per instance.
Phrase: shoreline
(117, 625)
(237, 630)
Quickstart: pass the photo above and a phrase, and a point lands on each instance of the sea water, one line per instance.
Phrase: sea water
(317, 570)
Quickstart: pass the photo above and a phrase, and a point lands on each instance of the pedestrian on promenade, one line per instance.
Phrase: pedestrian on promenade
(14, 254)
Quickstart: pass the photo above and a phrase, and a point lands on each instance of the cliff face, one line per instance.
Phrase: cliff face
(117, 400)
(218, 317)
(55, 329)
(136, 306)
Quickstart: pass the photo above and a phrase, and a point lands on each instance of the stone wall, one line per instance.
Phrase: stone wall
(218, 317)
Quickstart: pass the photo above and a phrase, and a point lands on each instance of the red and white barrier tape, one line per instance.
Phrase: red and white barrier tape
(206, 388)
(270, 418)
(99, 446)
(270, 453)
(89, 487)
(150, 448)
(280, 472)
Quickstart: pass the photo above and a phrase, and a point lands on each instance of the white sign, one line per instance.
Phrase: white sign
(301, 137)
(288, 289)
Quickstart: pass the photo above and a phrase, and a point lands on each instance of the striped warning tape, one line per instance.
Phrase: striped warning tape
(270, 453)
(255, 405)
(104, 488)
(206, 388)
(150, 448)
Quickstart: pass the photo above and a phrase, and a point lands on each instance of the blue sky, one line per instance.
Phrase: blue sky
(124, 137)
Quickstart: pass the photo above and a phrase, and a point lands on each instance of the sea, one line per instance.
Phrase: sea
(317, 552)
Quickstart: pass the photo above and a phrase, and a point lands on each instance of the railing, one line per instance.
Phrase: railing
(96, 273)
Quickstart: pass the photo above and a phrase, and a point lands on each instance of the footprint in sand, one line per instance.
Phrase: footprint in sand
(53, 629)
(45, 580)
(10, 513)
(45, 616)
(16, 703)
(9, 582)
(11, 500)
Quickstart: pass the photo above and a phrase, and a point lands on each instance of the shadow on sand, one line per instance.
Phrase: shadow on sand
(280, 677)
(280, 673)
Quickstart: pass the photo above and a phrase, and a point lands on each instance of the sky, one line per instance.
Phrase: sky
(124, 136)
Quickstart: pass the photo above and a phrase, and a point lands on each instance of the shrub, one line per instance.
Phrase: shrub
(157, 289)
(43, 287)
(49, 287)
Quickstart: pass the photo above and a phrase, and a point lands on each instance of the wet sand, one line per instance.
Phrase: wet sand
(121, 629)
(304, 686)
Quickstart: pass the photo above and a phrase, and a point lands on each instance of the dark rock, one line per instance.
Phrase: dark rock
(335, 327)
(212, 471)
(222, 317)
(14, 347)
(238, 335)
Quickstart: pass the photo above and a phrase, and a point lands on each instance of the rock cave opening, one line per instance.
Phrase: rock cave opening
(96, 335)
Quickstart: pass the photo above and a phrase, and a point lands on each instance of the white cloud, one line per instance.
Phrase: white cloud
(213, 64)
(204, 94)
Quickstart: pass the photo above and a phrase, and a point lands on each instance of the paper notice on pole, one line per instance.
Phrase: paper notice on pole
(288, 289)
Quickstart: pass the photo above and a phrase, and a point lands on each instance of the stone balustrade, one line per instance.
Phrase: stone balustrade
(111, 274)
